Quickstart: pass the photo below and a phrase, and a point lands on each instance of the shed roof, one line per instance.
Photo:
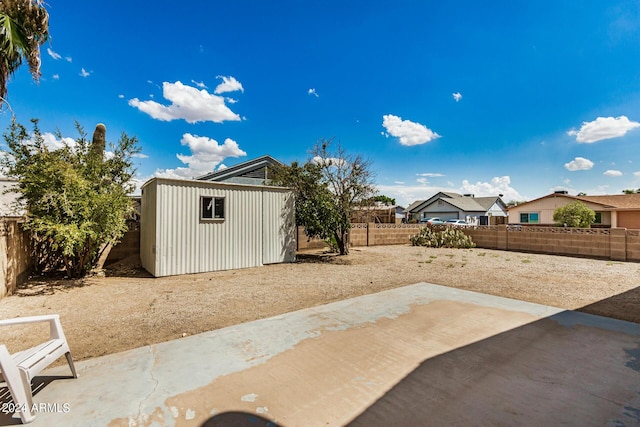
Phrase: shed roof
(213, 184)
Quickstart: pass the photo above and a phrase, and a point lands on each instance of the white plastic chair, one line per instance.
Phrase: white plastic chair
(18, 369)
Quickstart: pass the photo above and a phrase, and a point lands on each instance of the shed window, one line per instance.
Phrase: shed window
(211, 207)
(529, 218)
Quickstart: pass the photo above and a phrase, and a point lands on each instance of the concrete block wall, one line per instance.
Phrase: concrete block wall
(561, 241)
(128, 246)
(304, 242)
(15, 259)
(633, 245)
(616, 244)
(374, 234)
(486, 237)
(359, 234)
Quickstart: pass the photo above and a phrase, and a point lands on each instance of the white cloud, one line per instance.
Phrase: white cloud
(430, 175)
(140, 156)
(187, 103)
(409, 133)
(84, 73)
(603, 128)
(637, 174)
(498, 185)
(52, 54)
(579, 164)
(206, 154)
(457, 96)
(56, 77)
(53, 143)
(201, 85)
(68, 58)
(612, 172)
(407, 194)
(313, 92)
(121, 96)
(422, 181)
(229, 84)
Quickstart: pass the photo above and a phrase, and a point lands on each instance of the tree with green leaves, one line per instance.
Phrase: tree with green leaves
(631, 191)
(327, 188)
(75, 197)
(574, 214)
(24, 26)
(386, 200)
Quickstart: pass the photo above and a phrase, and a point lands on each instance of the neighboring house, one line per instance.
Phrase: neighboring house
(190, 226)
(379, 213)
(481, 210)
(254, 172)
(619, 210)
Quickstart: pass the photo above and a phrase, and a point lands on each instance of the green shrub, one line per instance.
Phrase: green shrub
(447, 237)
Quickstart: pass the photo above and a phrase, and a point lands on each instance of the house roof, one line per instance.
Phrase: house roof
(464, 203)
(608, 202)
(414, 205)
(617, 201)
(240, 168)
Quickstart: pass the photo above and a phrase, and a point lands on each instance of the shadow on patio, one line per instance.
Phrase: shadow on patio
(568, 369)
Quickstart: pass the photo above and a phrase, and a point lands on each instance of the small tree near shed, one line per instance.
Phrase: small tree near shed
(327, 188)
(75, 196)
(575, 214)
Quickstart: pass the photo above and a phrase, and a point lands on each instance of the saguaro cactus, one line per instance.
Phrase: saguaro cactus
(99, 138)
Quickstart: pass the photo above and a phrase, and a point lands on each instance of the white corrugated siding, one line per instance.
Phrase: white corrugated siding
(148, 227)
(278, 227)
(258, 227)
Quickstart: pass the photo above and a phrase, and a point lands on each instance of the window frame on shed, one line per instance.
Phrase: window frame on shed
(218, 208)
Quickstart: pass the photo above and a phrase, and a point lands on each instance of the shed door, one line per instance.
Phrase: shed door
(278, 227)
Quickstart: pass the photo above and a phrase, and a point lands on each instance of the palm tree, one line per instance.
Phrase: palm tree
(24, 26)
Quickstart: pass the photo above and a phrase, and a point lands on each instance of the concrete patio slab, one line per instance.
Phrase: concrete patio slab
(419, 355)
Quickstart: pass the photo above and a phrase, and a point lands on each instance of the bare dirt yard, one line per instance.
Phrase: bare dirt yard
(128, 308)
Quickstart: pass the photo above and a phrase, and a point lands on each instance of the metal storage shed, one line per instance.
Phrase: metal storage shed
(197, 226)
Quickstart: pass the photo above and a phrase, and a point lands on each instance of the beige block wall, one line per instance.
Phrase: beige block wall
(382, 234)
(128, 246)
(304, 242)
(616, 243)
(484, 237)
(15, 259)
(633, 245)
(358, 235)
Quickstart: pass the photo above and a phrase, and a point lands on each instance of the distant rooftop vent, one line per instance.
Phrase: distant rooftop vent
(468, 195)
(561, 192)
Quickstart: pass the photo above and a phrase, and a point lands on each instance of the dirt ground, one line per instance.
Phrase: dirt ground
(128, 308)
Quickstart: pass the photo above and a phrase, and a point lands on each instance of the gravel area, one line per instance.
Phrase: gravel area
(128, 308)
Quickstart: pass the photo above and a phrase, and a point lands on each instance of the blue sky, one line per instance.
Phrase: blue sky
(506, 97)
